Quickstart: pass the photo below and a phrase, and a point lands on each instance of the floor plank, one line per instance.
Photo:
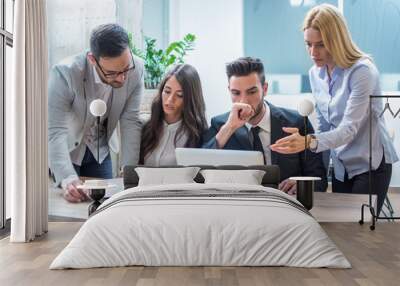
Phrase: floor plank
(375, 257)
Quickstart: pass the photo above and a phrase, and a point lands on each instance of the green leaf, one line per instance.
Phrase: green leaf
(171, 48)
(171, 60)
(156, 61)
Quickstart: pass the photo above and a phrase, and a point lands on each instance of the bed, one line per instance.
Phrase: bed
(201, 224)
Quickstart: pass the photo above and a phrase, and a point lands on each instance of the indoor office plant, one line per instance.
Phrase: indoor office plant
(156, 61)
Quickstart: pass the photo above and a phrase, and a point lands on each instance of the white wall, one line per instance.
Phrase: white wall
(218, 26)
(71, 22)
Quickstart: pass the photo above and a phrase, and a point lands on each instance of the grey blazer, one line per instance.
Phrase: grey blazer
(71, 89)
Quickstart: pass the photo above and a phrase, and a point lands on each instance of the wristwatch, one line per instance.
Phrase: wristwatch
(312, 142)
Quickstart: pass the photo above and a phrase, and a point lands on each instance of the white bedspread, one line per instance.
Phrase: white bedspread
(190, 230)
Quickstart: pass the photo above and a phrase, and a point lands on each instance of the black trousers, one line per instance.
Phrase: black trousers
(359, 183)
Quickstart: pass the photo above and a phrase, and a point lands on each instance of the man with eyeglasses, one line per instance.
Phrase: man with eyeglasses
(109, 72)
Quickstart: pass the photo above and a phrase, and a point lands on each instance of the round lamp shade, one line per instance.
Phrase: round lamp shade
(305, 107)
(98, 107)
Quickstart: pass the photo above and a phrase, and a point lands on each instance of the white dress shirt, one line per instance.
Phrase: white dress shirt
(265, 133)
(164, 153)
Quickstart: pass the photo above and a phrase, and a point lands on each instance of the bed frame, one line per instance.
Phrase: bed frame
(270, 179)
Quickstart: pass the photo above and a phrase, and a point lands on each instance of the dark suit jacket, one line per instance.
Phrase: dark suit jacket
(289, 164)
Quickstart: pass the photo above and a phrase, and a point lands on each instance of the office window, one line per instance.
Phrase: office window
(9, 11)
(375, 27)
(156, 21)
(6, 42)
(8, 74)
(2, 194)
(272, 32)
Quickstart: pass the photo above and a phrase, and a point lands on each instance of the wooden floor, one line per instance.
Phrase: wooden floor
(374, 255)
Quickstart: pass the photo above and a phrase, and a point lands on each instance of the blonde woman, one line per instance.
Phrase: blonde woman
(342, 78)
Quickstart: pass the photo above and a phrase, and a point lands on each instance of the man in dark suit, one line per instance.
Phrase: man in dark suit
(254, 124)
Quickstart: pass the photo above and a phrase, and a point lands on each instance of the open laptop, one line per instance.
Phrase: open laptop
(215, 157)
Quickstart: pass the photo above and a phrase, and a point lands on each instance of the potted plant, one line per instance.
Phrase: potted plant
(156, 62)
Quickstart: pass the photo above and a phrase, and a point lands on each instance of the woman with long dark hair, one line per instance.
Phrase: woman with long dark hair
(177, 117)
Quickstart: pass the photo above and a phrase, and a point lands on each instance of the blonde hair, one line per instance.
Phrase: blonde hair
(336, 37)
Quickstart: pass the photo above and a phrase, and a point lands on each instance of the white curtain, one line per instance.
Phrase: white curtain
(26, 123)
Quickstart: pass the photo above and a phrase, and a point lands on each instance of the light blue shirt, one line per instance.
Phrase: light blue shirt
(342, 105)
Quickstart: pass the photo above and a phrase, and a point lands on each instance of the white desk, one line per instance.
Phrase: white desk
(58, 206)
(328, 207)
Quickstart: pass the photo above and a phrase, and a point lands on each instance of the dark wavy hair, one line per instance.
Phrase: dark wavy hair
(245, 66)
(194, 122)
(108, 40)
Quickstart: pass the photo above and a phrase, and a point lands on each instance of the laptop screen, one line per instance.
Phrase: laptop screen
(216, 157)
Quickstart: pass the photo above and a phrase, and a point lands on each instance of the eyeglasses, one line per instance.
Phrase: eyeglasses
(114, 75)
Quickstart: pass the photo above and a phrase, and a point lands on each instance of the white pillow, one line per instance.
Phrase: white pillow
(249, 177)
(165, 176)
